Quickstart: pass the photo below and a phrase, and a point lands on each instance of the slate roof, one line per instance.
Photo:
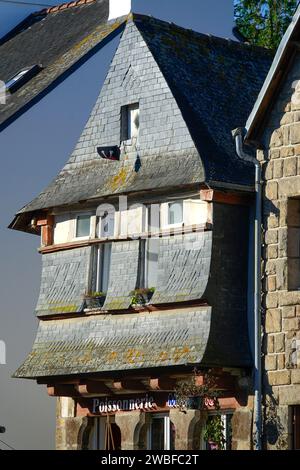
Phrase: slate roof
(215, 83)
(118, 342)
(59, 39)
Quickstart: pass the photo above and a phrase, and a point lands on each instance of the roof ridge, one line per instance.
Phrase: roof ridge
(139, 16)
(63, 6)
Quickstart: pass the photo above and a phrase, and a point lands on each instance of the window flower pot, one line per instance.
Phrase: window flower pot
(141, 297)
(94, 301)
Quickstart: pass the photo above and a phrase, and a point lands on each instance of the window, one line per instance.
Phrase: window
(296, 427)
(151, 248)
(226, 419)
(158, 433)
(148, 263)
(130, 122)
(23, 76)
(175, 213)
(105, 435)
(293, 242)
(83, 226)
(103, 267)
(185, 212)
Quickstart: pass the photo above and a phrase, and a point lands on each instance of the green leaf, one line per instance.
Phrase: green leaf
(264, 22)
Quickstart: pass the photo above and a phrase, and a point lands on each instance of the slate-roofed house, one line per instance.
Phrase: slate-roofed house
(145, 241)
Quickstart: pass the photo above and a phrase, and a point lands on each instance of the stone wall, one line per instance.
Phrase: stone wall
(280, 159)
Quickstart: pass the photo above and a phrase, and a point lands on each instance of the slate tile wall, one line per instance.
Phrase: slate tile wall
(183, 267)
(65, 279)
(123, 274)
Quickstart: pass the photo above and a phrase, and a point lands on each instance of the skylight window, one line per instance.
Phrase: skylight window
(22, 77)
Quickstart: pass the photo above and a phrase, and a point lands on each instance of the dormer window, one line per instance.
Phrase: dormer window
(23, 76)
(130, 122)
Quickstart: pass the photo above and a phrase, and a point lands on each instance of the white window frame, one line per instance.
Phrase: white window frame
(92, 225)
(127, 118)
(164, 218)
(167, 426)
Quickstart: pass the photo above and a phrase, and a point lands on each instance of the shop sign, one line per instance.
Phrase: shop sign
(146, 403)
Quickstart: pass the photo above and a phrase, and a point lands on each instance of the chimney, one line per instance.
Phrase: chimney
(119, 8)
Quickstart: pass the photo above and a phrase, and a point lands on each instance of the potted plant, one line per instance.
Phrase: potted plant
(142, 296)
(94, 299)
(190, 395)
(214, 433)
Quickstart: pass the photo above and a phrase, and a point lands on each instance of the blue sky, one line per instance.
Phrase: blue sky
(32, 151)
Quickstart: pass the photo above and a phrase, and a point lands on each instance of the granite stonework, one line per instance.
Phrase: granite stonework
(281, 170)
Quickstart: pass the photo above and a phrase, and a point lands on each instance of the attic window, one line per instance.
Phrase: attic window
(130, 122)
(22, 77)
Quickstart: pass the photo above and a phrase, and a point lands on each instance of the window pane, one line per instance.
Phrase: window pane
(154, 218)
(83, 226)
(104, 267)
(157, 434)
(175, 213)
(152, 246)
(296, 427)
(293, 244)
(133, 121)
(228, 432)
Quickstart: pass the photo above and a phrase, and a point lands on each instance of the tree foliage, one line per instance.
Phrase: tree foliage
(264, 22)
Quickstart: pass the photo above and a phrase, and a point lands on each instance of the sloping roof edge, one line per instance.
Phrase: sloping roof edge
(117, 26)
(273, 78)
